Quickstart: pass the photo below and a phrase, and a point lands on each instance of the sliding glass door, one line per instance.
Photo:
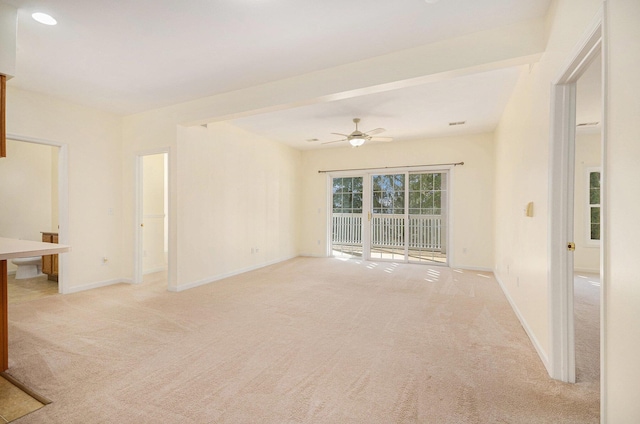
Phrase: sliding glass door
(400, 216)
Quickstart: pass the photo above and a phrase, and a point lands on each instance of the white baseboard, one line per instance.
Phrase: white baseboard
(95, 285)
(208, 280)
(587, 271)
(310, 255)
(541, 353)
(472, 268)
(155, 269)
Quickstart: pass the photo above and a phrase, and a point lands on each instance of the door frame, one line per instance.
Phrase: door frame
(63, 201)
(138, 249)
(561, 187)
(367, 205)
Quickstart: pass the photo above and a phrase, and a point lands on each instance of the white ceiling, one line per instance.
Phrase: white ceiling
(407, 114)
(129, 56)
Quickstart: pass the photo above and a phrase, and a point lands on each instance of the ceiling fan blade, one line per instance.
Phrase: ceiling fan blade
(381, 138)
(375, 131)
(334, 141)
(343, 135)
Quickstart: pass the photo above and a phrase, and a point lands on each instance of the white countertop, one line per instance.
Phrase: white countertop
(12, 248)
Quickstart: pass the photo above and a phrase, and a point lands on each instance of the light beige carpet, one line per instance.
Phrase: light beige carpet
(304, 341)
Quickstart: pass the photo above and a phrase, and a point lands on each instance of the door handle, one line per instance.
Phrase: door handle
(571, 246)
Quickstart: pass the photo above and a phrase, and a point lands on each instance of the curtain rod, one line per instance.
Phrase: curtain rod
(390, 167)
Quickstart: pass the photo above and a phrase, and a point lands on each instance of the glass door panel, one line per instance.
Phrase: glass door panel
(427, 224)
(346, 217)
(388, 217)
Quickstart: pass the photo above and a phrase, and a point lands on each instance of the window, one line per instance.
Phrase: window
(426, 193)
(347, 195)
(593, 207)
(388, 194)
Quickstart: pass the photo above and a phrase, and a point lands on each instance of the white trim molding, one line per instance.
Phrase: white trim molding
(96, 285)
(561, 357)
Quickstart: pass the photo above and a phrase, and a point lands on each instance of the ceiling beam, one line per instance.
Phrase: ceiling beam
(488, 50)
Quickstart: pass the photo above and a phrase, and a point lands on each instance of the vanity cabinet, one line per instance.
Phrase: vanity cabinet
(50, 262)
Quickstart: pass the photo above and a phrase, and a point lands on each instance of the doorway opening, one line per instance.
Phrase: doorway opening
(35, 190)
(587, 207)
(565, 169)
(152, 218)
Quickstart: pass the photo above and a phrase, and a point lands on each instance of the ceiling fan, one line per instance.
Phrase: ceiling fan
(358, 138)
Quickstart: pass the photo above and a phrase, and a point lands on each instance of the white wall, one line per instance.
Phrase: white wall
(26, 192)
(238, 202)
(586, 257)
(522, 173)
(230, 192)
(154, 213)
(95, 179)
(472, 189)
(622, 231)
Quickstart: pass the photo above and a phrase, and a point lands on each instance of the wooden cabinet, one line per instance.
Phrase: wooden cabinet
(50, 262)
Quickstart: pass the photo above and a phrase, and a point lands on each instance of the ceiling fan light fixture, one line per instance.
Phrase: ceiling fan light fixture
(357, 138)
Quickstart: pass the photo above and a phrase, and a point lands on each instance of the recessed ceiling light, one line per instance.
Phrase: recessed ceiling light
(43, 18)
(452, 124)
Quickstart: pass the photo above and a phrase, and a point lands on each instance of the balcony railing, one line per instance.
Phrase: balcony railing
(425, 231)
(347, 228)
